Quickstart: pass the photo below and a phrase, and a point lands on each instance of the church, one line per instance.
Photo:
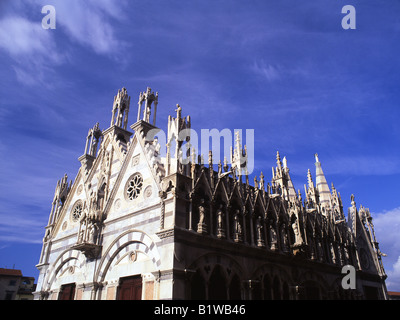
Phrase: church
(137, 224)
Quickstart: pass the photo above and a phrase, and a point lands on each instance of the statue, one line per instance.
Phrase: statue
(201, 226)
(284, 239)
(220, 226)
(237, 227)
(295, 226)
(273, 236)
(260, 241)
(92, 233)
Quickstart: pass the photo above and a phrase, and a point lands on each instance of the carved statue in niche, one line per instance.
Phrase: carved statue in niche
(220, 222)
(296, 230)
(201, 226)
(274, 237)
(284, 242)
(93, 230)
(93, 201)
(237, 227)
(320, 254)
(332, 251)
(260, 241)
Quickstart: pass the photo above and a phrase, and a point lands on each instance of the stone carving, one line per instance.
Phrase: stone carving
(148, 191)
(260, 241)
(220, 222)
(134, 186)
(120, 109)
(202, 226)
(237, 227)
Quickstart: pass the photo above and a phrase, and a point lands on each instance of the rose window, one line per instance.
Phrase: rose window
(134, 187)
(77, 211)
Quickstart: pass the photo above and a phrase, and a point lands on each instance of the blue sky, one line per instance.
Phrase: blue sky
(286, 69)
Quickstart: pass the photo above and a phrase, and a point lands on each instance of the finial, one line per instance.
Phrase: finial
(278, 160)
(225, 164)
(316, 157)
(309, 179)
(262, 182)
(353, 202)
(237, 139)
(178, 111)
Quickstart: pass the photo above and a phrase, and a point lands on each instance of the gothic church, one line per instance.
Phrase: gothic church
(135, 225)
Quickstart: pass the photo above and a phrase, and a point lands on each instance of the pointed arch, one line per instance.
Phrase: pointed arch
(198, 287)
(270, 210)
(258, 201)
(203, 181)
(276, 289)
(217, 285)
(204, 264)
(235, 290)
(235, 195)
(220, 191)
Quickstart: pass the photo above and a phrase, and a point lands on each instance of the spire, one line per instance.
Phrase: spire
(92, 140)
(120, 109)
(311, 196)
(262, 182)
(309, 179)
(321, 184)
(337, 205)
(175, 140)
(238, 155)
(279, 164)
(148, 98)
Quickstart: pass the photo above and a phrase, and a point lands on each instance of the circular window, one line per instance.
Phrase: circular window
(134, 186)
(76, 212)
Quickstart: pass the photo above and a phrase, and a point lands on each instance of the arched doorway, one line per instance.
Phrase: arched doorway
(198, 287)
(234, 288)
(285, 291)
(276, 289)
(267, 288)
(217, 287)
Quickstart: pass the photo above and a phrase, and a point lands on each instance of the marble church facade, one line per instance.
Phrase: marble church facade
(135, 224)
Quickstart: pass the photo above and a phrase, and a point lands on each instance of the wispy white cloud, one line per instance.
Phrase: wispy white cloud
(393, 280)
(19, 224)
(270, 72)
(91, 23)
(274, 71)
(32, 49)
(387, 226)
(37, 51)
(23, 38)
